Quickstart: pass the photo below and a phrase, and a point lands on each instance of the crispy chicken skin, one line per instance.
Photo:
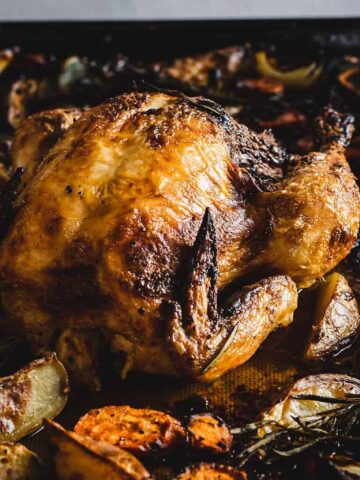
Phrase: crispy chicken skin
(148, 205)
(37, 134)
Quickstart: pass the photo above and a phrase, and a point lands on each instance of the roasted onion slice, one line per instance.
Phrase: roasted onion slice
(350, 79)
(300, 78)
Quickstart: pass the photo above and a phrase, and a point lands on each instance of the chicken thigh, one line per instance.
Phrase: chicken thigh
(149, 205)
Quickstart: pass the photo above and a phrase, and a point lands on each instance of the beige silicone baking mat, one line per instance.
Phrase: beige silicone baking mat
(236, 397)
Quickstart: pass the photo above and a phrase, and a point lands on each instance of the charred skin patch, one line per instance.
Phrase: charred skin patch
(340, 237)
(334, 128)
(151, 261)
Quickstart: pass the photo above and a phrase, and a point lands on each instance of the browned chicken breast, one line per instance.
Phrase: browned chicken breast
(151, 203)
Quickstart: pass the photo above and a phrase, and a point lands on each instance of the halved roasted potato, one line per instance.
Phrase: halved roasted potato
(137, 430)
(209, 433)
(35, 392)
(337, 318)
(328, 386)
(211, 471)
(78, 457)
(19, 463)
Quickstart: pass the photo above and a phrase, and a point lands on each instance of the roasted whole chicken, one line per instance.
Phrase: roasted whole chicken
(177, 233)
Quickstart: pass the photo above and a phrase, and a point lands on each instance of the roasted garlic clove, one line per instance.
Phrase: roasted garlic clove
(82, 457)
(35, 392)
(138, 430)
(337, 319)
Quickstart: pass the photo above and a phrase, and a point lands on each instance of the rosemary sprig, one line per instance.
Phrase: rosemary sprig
(327, 430)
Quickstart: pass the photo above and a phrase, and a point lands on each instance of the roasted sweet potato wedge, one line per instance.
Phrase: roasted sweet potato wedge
(35, 392)
(19, 463)
(337, 319)
(211, 471)
(302, 399)
(209, 433)
(136, 430)
(78, 457)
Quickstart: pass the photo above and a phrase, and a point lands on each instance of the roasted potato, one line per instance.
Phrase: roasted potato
(334, 386)
(78, 457)
(211, 471)
(337, 318)
(209, 433)
(136, 430)
(35, 392)
(19, 463)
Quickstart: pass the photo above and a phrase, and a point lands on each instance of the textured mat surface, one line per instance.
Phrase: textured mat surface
(237, 397)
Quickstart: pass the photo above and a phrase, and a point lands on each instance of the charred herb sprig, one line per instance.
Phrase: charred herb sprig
(332, 431)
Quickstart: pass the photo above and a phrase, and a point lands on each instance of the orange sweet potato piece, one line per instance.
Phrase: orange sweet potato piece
(209, 433)
(139, 431)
